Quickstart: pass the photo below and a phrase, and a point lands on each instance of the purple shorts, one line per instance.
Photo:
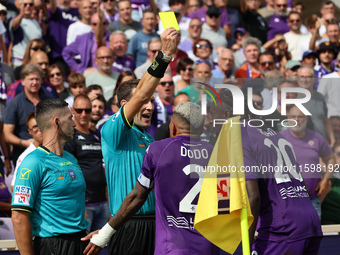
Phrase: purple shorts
(308, 246)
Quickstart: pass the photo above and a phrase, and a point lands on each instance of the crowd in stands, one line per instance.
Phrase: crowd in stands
(82, 51)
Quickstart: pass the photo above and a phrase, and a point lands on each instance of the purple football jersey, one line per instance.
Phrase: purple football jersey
(286, 212)
(174, 168)
(308, 150)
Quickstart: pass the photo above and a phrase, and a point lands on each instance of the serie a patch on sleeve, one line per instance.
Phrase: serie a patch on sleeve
(22, 195)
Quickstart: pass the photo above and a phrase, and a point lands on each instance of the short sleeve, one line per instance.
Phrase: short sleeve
(116, 129)
(148, 168)
(11, 116)
(27, 183)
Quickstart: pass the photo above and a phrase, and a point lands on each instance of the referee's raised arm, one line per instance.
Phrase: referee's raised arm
(147, 85)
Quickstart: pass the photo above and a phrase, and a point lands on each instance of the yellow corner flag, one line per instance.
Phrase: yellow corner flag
(223, 194)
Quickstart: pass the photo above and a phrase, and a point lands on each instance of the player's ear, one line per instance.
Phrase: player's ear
(123, 102)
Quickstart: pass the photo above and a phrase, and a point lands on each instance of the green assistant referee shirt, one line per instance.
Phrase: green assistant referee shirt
(52, 189)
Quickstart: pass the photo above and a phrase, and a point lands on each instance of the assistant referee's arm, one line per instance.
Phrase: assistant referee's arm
(23, 231)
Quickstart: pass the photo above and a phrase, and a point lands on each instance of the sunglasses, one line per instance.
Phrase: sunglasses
(163, 83)
(55, 74)
(270, 63)
(108, 0)
(214, 16)
(3, 12)
(80, 111)
(200, 46)
(294, 20)
(30, 4)
(282, 5)
(38, 48)
(95, 24)
(154, 51)
(259, 103)
(189, 69)
(193, 26)
(199, 61)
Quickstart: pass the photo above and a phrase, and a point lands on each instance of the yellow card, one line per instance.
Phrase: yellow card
(168, 20)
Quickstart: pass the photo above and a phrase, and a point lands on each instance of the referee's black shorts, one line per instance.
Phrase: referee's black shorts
(136, 237)
(65, 244)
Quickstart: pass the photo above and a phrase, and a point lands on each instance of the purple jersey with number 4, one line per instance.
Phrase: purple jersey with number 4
(286, 212)
(173, 167)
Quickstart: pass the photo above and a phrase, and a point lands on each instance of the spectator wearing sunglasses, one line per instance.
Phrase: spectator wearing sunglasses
(163, 103)
(154, 46)
(266, 61)
(211, 28)
(203, 50)
(195, 31)
(83, 25)
(278, 23)
(24, 29)
(56, 77)
(224, 21)
(86, 148)
(185, 71)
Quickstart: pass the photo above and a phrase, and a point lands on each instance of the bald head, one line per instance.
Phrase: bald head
(105, 59)
(181, 98)
(40, 58)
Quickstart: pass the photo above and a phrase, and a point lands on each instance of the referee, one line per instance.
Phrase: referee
(49, 192)
(124, 142)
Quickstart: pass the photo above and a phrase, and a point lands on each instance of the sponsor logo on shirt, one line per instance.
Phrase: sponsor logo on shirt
(180, 222)
(65, 163)
(311, 143)
(142, 145)
(80, 137)
(72, 174)
(22, 195)
(24, 173)
(91, 147)
(60, 178)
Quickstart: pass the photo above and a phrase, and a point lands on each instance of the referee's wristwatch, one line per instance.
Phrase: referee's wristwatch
(162, 56)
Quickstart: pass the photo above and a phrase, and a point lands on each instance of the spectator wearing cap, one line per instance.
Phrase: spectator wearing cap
(251, 69)
(211, 29)
(278, 23)
(329, 88)
(240, 35)
(224, 22)
(326, 54)
(292, 67)
(309, 58)
(252, 21)
(294, 37)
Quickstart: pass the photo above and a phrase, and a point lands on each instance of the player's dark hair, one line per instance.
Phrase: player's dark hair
(125, 90)
(93, 87)
(45, 111)
(29, 117)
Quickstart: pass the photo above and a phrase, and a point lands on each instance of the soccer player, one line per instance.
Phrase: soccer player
(124, 142)
(49, 191)
(172, 167)
(286, 220)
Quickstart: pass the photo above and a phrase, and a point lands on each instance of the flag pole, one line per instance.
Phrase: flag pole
(244, 232)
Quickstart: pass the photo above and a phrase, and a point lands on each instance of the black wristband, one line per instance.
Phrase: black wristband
(158, 67)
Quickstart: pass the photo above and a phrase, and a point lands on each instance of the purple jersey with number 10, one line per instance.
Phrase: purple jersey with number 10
(173, 167)
(286, 212)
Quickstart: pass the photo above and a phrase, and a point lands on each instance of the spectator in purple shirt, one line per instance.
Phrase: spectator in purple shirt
(224, 22)
(60, 17)
(119, 45)
(86, 46)
(278, 23)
